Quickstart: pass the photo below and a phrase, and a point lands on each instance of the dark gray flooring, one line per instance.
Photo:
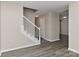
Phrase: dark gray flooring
(46, 49)
(64, 39)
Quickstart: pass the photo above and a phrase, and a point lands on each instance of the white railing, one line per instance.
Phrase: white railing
(31, 22)
(31, 28)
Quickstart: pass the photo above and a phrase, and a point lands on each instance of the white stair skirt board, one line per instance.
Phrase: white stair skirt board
(51, 40)
(73, 50)
(19, 48)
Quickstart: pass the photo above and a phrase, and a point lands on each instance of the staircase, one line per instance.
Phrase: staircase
(28, 29)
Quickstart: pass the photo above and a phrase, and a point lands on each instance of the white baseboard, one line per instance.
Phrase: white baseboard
(54, 40)
(73, 50)
(19, 47)
(51, 40)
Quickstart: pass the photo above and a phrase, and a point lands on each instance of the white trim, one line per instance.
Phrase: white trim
(0, 53)
(19, 47)
(54, 40)
(73, 50)
(51, 40)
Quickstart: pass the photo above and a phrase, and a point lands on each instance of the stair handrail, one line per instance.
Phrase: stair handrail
(31, 22)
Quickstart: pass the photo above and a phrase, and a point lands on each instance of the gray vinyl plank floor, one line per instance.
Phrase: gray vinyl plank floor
(45, 49)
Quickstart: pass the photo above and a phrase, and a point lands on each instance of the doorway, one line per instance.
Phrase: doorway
(37, 23)
(64, 32)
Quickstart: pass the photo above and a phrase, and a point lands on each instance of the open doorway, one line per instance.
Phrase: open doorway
(37, 23)
(64, 33)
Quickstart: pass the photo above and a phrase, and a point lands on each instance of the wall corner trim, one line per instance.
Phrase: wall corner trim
(54, 40)
(70, 49)
(51, 40)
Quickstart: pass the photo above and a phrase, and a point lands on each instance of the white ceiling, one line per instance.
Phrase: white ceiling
(45, 6)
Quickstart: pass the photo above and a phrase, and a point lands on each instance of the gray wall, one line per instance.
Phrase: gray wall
(50, 26)
(74, 27)
(11, 36)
